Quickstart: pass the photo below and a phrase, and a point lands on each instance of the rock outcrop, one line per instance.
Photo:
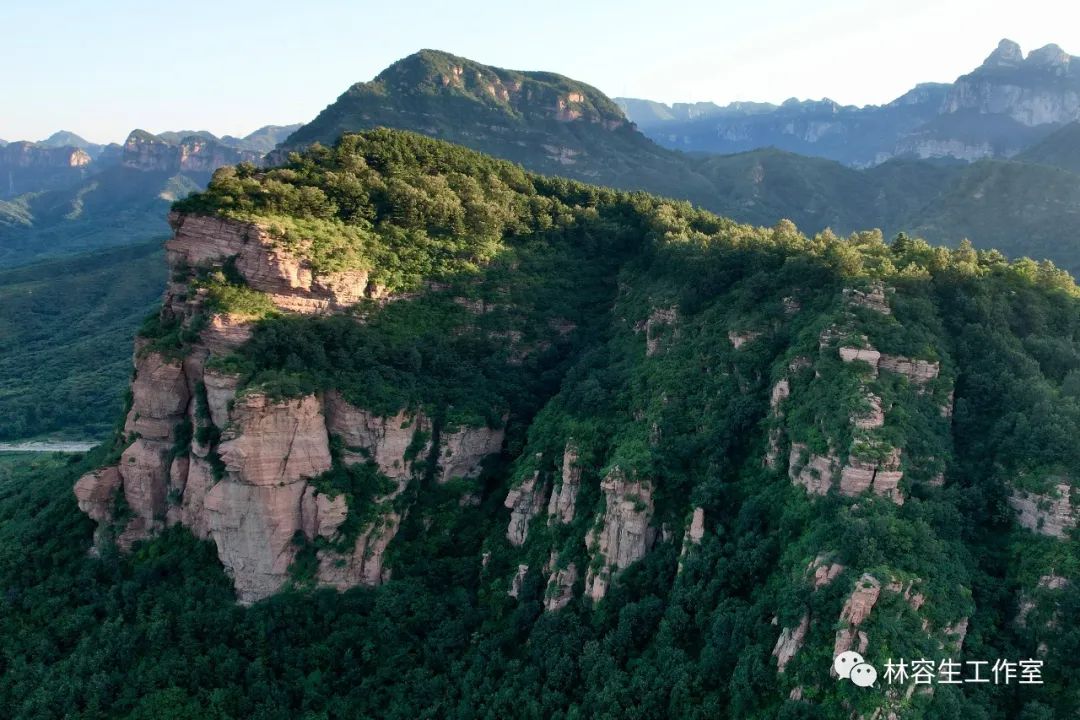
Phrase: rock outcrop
(563, 503)
(789, 642)
(525, 502)
(882, 476)
(660, 322)
(387, 441)
(265, 264)
(872, 299)
(274, 443)
(856, 609)
(919, 372)
(560, 587)
(240, 469)
(463, 450)
(623, 534)
(813, 472)
(1050, 514)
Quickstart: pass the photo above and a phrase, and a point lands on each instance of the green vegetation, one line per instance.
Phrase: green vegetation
(600, 317)
(67, 327)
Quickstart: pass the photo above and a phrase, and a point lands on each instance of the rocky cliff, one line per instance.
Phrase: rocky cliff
(244, 469)
(195, 153)
(542, 421)
(1005, 105)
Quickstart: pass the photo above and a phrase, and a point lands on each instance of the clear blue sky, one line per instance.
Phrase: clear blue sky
(103, 68)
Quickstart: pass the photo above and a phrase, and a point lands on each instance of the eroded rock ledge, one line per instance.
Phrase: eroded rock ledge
(243, 469)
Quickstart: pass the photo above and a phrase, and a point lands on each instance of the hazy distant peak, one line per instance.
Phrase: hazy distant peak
(65, 138)
(1050, 56)
(1008, 52)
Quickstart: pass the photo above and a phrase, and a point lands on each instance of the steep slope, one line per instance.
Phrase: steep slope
(590, 453)
(546, 122)
(1062, 149)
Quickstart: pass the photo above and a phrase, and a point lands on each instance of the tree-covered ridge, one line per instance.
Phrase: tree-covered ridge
(471, 88)
(651, 337)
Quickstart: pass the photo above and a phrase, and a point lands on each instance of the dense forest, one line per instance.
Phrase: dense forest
(68, 325)
(704, 363)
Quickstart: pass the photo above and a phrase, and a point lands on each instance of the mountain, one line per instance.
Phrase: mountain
(262, 140)
(62, 201)
(1062, 149)
(1005, 105)
(549, 123)
(448, 97)
(466, 441)
(30, 167)
(64, 138)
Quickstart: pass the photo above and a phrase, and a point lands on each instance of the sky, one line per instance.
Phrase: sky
(103, 68)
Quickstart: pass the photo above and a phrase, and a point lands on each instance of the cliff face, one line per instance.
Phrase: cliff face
(197, 154)
(243, 470)
(740, 445)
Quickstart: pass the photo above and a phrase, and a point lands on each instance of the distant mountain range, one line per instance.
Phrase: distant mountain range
(1002, 107)
(65, 194)
(555, 125)
(87, 197)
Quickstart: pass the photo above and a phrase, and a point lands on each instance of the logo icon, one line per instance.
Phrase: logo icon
(850, 665)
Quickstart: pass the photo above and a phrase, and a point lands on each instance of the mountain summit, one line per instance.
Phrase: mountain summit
(546, 122)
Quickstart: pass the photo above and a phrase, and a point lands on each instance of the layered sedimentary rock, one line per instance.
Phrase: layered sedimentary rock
(660, 322)
(873, 298)
(882, 476)
(789, 642)
(856, 609)
(919, 372)
(824, 572)
(241, 473)
(623, 535)
(274, 443)
(387, 441)
(560, 586)
(288, 280)
(269, 449)
(366, 563)
(160, 396)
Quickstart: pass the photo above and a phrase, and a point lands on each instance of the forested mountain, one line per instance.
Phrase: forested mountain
(554, 125)
(1003, 106)
(474, 442)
